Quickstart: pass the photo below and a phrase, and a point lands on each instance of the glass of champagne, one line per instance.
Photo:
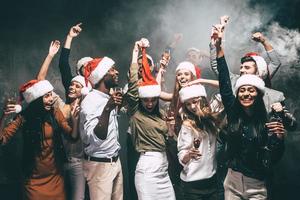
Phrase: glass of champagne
(119, 92)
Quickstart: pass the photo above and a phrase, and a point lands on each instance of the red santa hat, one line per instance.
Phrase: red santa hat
(262, 67)
(96, 69)
(250, 79)
(85, 88)
(34, 89)
(187, 66)
(82, 62)
(148, 87)
(192, 91)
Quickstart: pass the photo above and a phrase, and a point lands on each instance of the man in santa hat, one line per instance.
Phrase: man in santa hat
(99, 131)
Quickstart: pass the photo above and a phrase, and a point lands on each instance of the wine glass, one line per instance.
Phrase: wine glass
(10, 99)
(197, 142)
(119, 92)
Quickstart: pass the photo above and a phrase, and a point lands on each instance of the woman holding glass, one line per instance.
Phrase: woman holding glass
(149, 131)
(197, 145)
(43, 153)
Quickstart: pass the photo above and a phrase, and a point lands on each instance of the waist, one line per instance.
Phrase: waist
(237, 165)
(96, 159)
(205, 183)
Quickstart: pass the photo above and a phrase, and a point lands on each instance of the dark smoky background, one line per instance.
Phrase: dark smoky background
(111, 27)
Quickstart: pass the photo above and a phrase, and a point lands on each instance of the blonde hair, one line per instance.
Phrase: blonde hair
(207, 121)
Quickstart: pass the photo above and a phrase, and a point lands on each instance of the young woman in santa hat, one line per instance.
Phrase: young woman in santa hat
(75, 89)
(149, 131)
(197, 144)
(254, 145)
(43, 154)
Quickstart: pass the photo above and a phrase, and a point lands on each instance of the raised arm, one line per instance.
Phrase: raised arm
(132, 93)
(53, 49)
(274, 63)
(6, 133)
(64, 66)
(224, 78)
(164, 62)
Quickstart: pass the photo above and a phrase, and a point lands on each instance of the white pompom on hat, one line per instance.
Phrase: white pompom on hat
(34, 89)
(262, 67)
(148, 87)
(250, 79)
(81, 62)
(187, 66)
(192, 91)
(96, 69)
(85, 88)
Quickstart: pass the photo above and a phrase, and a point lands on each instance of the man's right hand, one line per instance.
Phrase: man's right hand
(258, 37)
(115, 100)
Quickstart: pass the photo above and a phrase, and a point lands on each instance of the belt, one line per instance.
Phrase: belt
(90, 158)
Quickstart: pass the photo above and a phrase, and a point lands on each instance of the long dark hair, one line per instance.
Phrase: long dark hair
(35, 116)
(259, 117)
(156, 110)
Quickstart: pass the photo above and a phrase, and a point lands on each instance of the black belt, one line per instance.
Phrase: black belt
(90, 158)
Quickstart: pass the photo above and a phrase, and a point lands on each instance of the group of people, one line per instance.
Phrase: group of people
(71, 144)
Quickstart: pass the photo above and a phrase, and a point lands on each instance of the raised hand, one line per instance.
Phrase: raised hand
(217, 32)
(144, 42)
(54, 47)
(258, 37)
(75, 30)
(165, 59)
(224, 20)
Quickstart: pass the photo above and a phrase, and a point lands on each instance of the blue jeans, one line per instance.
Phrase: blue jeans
(74, 179)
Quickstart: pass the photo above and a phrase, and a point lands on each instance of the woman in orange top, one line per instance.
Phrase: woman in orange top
(43, 153)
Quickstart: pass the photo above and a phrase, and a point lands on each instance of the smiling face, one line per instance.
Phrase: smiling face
(183, 76)
(48, 101)
(247, 95)
(111, 79)
(149, 103)
(75, 90)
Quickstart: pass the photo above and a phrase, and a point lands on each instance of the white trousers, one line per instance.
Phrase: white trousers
(152, 180)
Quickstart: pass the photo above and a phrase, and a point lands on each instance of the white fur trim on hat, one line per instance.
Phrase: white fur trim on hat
(82, 62)
(187, 66)
(85, 89)
(191, 92)
(262, 67)
(37, 90)
(149, 91)
(102, 68)
(250, 79)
